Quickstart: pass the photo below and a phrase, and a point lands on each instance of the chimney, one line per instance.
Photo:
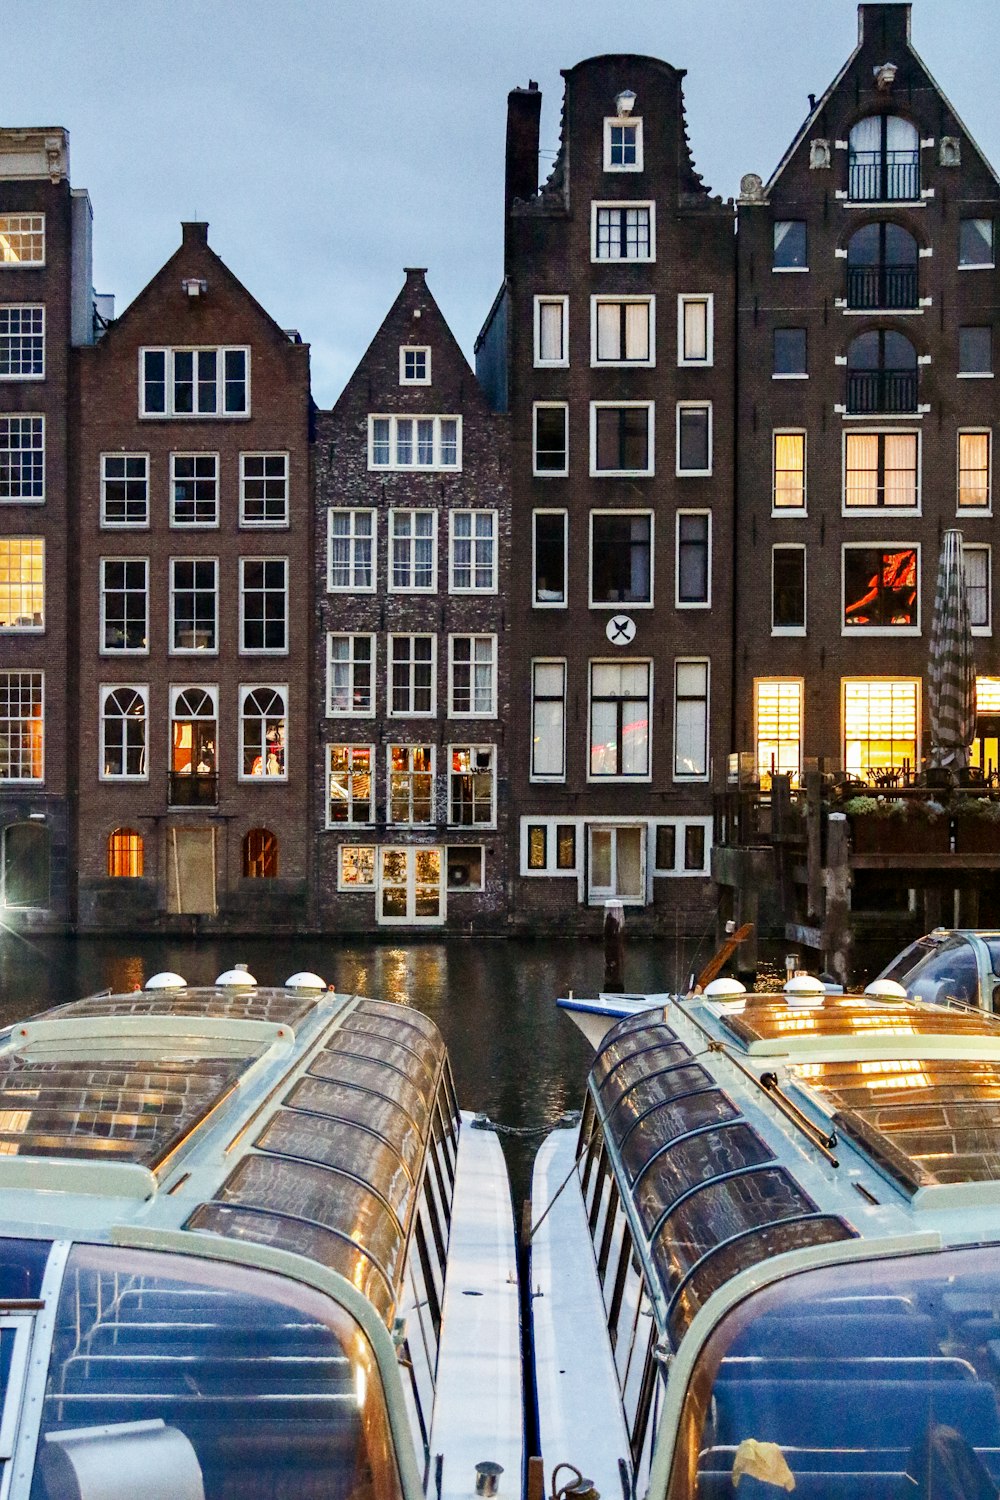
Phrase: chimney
(886, 27)
(524, 110)
(194, 232)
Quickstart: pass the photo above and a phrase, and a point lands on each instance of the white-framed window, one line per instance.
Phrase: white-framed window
(693, 571)
(975, 454)
(194, 382)
(124, 720)
(412, 551)
(263, 489)
(22, 458)
(194, 489)
(264, 605)
(194, 735)
(410, 887)
(548, 719)
(549, 558)
(694, 439)
(790, 245)
(975, 352)
(550, 846)
(414, 442)
(350, 535)
(551, 320)
(788, 495)
(466, 867)
(695, 328)
(472, 676)
(777, 709)
(620, 707)
(414, 364)
(623, 144)
(472, 786)
(621, 559)
(621, 438)
(681, 847)
(412, 676)
(22, 583)
(22, 726)
(194, 605)
(411, 785)
(472, 556)
(22, 341)
(788, 589)
(881, 588)
(124, 605)
(263, 732)
(350, 783)
(881, 472)
(691, 683)
(124, 490)
(975, 244)
(623, 231)
(616, 863)
(356, 867)
(550, 439)
(977, 558)
(22, 241)
(350, 676)
(623, 331)
(881, 719)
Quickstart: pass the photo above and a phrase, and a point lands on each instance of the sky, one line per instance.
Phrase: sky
(330, 143)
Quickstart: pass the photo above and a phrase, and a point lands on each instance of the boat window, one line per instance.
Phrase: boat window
(850, 1016)
(345, 1148)
(373, 1077)
(341, 1101)
(22, 1267)
(652, 1033)
(415, 1358)
(665, 1120)
(391, 1054)
(904, 962)
(875, 1378)
(235, 1382)
(654, 1059)
(950, 973)
(696, 1159)
(256, 1004)
(594, 1139)
(433, 1282)
(15, 1341)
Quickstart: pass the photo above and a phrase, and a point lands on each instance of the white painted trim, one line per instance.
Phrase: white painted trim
(599, 203)
(866, 632)
(621, 606)
(650, 406)
(537, 603)
(537, 302)
(619, 301)
(680, 603)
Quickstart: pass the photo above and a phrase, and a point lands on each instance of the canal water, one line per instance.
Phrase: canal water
(515, 1056)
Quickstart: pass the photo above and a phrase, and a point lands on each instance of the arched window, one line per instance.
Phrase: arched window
(883, 160)
(881, 372)
(125, 852)
(26, 860)
(260, 854)
(194, 780)
(123, 733)
(262, 732)
(882, 267)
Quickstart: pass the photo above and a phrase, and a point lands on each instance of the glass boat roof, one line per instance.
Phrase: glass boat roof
(847, 1017)
(279, 1006)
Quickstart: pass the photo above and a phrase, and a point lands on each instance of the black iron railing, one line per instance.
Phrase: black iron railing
(883, 176)
(881, 286)
(194, 789)
(885, 391)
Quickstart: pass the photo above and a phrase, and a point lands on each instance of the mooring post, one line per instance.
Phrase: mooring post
(837, 934)
(614, 947)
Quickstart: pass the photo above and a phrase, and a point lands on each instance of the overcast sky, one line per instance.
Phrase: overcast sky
(330, 143)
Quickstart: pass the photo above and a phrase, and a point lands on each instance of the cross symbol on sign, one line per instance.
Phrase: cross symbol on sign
(621, 630)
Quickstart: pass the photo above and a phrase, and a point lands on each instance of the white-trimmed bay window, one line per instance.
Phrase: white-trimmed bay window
(350, 781)
(472, 786)
(414, 442)
(620, 705)
(194, 382)
(351, 537)
(412, 551)
(22, 458)
(263, 733)
(263, 489)
(350, 675)
(472, 559)
(472, 676)
(548, 720)
(412, 676)
(691, 681)
(551, 319)
(124, 717)
(411, 785)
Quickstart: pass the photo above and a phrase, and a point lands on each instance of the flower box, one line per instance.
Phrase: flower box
(977, 836)
(875, 833)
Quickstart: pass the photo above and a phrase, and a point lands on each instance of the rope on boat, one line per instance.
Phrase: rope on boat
(566, 1121)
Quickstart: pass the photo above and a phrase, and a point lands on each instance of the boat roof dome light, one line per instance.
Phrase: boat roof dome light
(238, 975)
(167, 980)
(725, 989)
(804, 989)
(886, 989)
(305, 980)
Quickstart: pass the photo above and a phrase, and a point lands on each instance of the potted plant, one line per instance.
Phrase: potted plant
(894, 825)
(977, 825)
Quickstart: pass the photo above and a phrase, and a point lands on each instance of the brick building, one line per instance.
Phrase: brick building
(611, 346)
(195, 608)
(411, 654)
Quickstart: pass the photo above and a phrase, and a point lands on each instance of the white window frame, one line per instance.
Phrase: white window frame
(245, 479)
(169, 351)
(547, 776)
(398, 744)
(597, 895)
(985, 548)
(173, 650)
(473, 587)
(618, 607)
(789, 270)
(461, 890)
(265, 778)
(246, 650)
(787, 681)
(620, 778)
(472, 748)
(778, 511)
(802, 629)
(352, 636)
(538, 473)
(410, 713)
(106, 690)
(178, 691)
(683, 360)
(411, 588)
(902, 511)
(977, 265)
(871, 632)
(350, 886)
(961, 374)
(692, 777)
(595, 472)
(472, 713)
(974, 510)
(679, 870)
(597, 300)
(915, 682)
(103, 590)
(352, 586)
(609, 122)
(106, 479)
(680, 603)
(683, 406)
(404, 350)
(432, 468)
(35, 226)
(614, 260)
(176, 525)
(411, 919)
(26, 416)
(350, 822)
(24, 307)
(562, 301)
(33, 629)
(537, 603)
(28, 780)
(552, 824)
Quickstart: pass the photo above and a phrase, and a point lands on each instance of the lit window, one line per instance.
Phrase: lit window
(621, 330)
(549, 538)
(22, 342)
(413, 551)
(410, 886)
(472, 676)
(412, 662)
(976, 560)
(881, 469)
(690, 720)
(975, 242)
(537, 846)
(22, 240)
(623, 231)
(788, 590)
(124, 489)
(411, 784)
(264, 604)
(356, 871)
(124, 604)
(975, 351)
(351, 550)
(621, 438)
(22, 583)
(694, 438)
(548, 721)
(694, 559)
(194, 382)
(414, 365)
(465, 867)
(260, 855)
(263, 489)
(124, 712)
(551, 440)
(193, 742)
(694, 330)
(790, 245)
(789, 353)
(551, 331)
(881, 589)
(619, 719)
(350, 783)
(623, 145)
(473, 552)
(620, 558)
(414, 442)
(881, 724)
(549, 847)
(22, 458)
(350, 664)
(263, 732)
(194, 604)
(125, 854)
(194, 489)
(22, 726)
(974, 470)
(778, 715)
(789, 471)
(471, 786)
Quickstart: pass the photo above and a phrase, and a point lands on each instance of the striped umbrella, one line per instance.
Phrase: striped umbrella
(951, 678)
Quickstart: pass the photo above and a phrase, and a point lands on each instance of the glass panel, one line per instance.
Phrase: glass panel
(642, 1134)
(346, 1147)
(701, 1158)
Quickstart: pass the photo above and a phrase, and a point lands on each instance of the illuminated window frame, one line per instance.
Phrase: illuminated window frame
(778, 721)
(906, 693)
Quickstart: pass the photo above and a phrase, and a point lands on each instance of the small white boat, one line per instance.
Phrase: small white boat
(250, 1247)
(595, 1015)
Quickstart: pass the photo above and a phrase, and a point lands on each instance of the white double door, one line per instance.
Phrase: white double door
(410, 885)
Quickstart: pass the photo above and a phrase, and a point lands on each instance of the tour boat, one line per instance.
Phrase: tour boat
(770, 1257)
(250, 1247)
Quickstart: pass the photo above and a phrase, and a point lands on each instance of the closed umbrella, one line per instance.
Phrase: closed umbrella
(951, 677)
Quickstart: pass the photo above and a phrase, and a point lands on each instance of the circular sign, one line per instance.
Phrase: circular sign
(621, 630)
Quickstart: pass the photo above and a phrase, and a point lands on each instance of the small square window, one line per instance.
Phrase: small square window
(622, 145)
(790, 245)
(790, 351)
(975, 351)
(414, 365)
(621, 438)
(975, 242)
(465, 867)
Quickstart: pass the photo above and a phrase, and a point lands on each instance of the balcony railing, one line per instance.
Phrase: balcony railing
(883, 176)
(194, 789)
(881, 286)
(884, 391)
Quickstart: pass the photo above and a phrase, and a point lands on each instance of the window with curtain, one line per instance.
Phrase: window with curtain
(620, 558)
(125, 853)
(548, 720)
(789, 471)
(974, 470)
(619, 718)
(881, 469)
(883, 160)
(622, 331)
(690, 720)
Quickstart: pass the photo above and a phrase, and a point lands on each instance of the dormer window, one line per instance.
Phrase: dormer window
(414, 365)
(622, 145)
